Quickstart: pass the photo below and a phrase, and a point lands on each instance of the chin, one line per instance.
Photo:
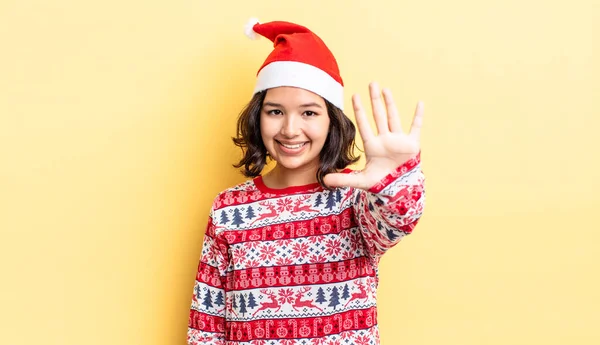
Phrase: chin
(290, 165)
(294, 164)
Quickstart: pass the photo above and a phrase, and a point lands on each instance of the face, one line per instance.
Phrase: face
(294, 124)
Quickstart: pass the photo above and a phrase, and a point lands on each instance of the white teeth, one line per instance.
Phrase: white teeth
(293, 146)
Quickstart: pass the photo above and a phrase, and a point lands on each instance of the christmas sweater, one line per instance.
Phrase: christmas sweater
(298, 266)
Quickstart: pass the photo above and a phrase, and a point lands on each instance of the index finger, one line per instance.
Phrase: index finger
(364, 128)
(415, 128)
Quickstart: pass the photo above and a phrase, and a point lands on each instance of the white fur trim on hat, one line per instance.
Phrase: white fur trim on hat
(249, 29)
(305, 76)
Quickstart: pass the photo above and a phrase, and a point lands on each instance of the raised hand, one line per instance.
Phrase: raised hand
(388, 149)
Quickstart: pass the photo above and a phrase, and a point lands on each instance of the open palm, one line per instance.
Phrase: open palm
(388, 149)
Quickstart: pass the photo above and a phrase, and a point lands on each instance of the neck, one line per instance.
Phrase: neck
(280, 177)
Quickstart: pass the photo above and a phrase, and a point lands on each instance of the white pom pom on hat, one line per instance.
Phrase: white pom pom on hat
(249, 29)
(299, 59)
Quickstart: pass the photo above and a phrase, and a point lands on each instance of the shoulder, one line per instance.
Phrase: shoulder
(234, 195)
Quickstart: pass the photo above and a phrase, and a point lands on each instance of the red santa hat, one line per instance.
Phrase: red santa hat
(300, 59)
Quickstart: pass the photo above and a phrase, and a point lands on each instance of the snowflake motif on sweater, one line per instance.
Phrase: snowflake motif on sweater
(298, 266)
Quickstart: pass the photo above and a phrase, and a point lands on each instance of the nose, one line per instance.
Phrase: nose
(291, 126)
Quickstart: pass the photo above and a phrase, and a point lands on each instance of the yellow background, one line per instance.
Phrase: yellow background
(115, 126)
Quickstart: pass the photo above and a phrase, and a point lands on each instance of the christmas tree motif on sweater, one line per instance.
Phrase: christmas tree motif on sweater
(219, 299)
(243, 304)
(250, 213)
(320, 296)
(237, 217)
(224, 218)
(207, 302)
(251, 301)
(334, 299)
(330, 200)
(318, 201)
(197, 291)
(338, 195)
(346, 293)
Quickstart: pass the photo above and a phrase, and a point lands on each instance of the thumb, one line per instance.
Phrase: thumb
(343, 180)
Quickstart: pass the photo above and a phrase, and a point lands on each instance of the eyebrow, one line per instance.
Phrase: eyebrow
(313, 104)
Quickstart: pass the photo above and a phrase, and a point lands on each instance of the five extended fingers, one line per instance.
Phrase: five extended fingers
(387, 121)
(386, 118)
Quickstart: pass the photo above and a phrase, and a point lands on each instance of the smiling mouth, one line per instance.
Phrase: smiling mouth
(292, 147)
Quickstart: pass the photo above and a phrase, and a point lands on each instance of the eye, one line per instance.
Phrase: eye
(274, 112)
(309, 113)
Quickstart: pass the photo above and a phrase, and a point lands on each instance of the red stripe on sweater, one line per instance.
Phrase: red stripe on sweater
(292, 275)
(332, 224)
(297, 275)
(312, 327)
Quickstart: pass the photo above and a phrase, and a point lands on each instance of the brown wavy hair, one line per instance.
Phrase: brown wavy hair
(337, 152)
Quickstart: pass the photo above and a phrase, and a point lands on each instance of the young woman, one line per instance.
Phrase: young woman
(291, 256)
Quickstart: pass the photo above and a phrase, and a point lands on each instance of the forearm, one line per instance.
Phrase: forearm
(391, 209)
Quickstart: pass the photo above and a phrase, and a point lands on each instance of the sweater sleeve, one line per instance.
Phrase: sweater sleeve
(391, 209)
(207, 313)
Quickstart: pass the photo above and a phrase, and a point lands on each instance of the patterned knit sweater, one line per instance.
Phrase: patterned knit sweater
(298, 266)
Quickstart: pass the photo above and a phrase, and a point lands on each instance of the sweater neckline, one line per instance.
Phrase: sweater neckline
(311, 187)
(260, 184)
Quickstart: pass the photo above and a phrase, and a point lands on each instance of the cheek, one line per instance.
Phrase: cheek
(265, 128)
(319, 131)
(268, 130)
(263, 133)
